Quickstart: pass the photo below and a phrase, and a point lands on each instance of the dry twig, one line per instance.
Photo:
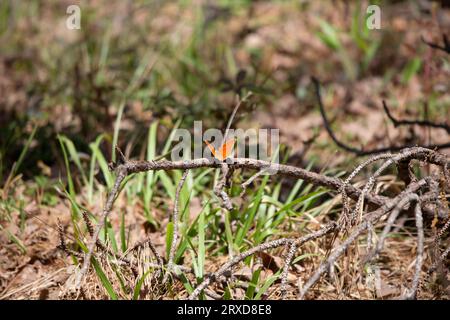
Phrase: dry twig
(173, 245)
(356, 151)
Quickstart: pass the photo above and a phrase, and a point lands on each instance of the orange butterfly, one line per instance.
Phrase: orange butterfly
(224, 151)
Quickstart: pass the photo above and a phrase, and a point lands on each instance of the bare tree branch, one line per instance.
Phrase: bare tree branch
(287, 263)
(445, 47)
(356, 151)
(220, 186)
(121, 172)
(398, 203)
(173, 245)
(422, 123)
(419, 259)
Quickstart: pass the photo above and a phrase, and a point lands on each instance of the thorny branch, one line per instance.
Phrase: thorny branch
(220, 186)
(262, 247)
(173, 245)
(359, 222)
(398, 203)
(121, 174)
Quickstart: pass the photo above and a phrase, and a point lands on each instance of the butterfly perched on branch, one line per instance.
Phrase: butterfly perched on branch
(224, 151)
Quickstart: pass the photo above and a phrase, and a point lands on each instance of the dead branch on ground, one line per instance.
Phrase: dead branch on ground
(425, 193)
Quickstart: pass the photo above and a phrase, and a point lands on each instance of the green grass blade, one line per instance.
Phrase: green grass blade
(167, 183)
(140, 282)
(24, 151)
(201, 244)
(103, 164)
(104, 279)
(249, 294)
(123, 238)
(267, 285)
(70, 147)
(66, 163)
(249, 220)
(117, 129)
(93, 146)
(169, 238)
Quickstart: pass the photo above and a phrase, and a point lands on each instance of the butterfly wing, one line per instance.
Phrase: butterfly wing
(224, 151)
(227, 148)
(212, 149)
